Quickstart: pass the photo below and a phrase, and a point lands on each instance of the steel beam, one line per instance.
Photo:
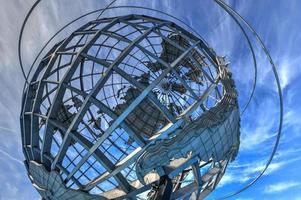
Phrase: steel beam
(135, 83)
(103, 108)
(61, 90)
(129, 109)
(46, 143)
(96, 88)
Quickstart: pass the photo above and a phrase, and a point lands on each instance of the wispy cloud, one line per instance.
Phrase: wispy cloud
(280, 187)
(248, 171)
(230, 178)
(7, 129)
(259, 126)
(11, 157)
(278, 33)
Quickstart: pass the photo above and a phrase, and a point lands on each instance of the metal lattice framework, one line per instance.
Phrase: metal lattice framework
(123, 102)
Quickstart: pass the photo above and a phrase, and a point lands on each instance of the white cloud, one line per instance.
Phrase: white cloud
(230, 178)
(288, 152)
(289, 69)
(11, 157)
(258, 128)
(244, 172)
(280, 187)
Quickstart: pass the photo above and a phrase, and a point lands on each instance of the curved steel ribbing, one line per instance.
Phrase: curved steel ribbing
(137, 7)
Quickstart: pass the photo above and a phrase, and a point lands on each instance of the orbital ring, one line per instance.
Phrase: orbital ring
(233, 14)
(236, 16)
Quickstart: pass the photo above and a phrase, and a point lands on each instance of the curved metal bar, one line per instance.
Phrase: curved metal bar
(236, 15)
(254, 64)
(46, 44)
(101, 12)
(20, 38)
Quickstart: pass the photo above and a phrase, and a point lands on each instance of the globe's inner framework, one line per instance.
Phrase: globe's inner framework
(111, 109)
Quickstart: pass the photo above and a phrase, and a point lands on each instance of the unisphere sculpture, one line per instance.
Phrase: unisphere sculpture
(129, 107)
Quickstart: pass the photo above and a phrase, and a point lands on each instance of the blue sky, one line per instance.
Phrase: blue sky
(277, 22)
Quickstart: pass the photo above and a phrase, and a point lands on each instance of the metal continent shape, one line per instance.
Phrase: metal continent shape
(216, 124)
(51, 186)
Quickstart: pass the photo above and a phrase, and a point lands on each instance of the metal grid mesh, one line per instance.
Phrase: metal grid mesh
(84, 84)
